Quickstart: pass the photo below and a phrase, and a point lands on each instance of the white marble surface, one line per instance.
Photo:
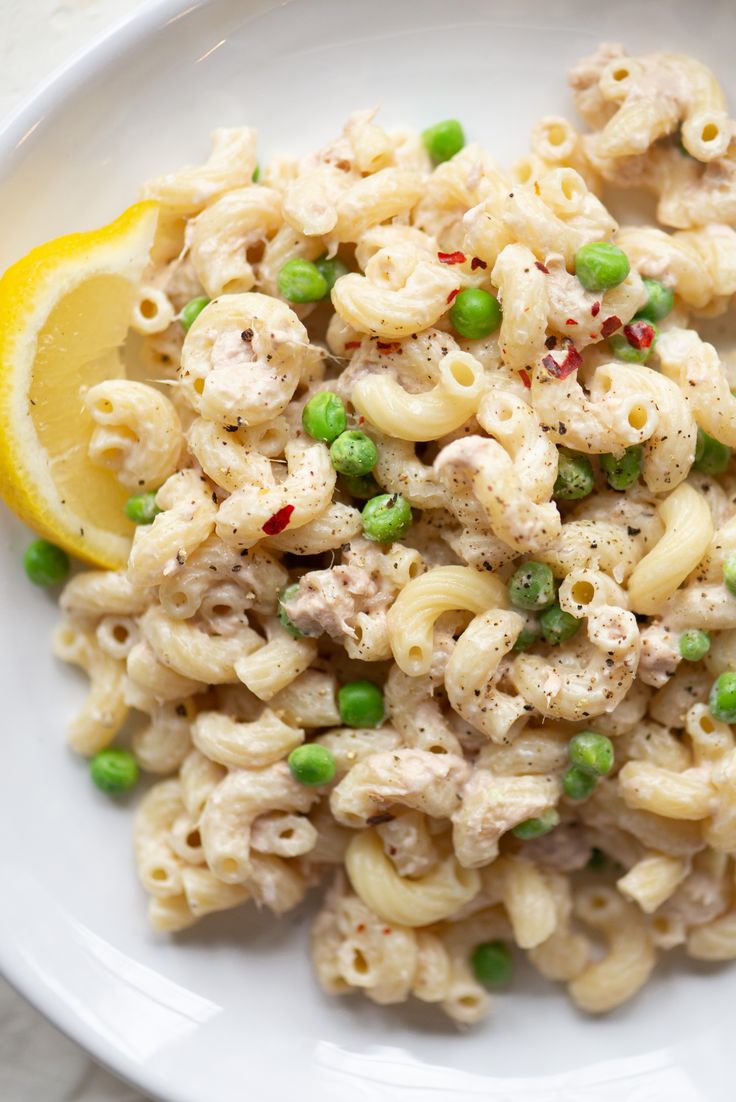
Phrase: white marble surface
(38, 1064)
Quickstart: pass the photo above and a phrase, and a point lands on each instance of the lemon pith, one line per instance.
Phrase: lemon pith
(64, 314)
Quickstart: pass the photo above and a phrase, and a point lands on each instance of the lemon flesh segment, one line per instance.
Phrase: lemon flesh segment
(65, 310)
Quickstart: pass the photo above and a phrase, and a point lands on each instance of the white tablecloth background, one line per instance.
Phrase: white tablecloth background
(38, 1064)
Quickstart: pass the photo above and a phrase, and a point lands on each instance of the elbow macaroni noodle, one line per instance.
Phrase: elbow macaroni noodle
(424, 827)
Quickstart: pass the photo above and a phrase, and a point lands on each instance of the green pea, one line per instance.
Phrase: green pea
(45, 563)
(142, 508)
(694, 644)
(491, 963)
(285, 596)
(256, 174)
(729, 573)
(601, 265)
(300, 281)
(722, 700)
(353, 453)
(189, 313)
(535, 828)
(532, 586)
(574, 476)
(526, 638)
(591, 752)
(623, 470)
(557, 626)
(114, 771)
(311, 764)
(443, 140)
(475, 313)
(623, 349)
(386, 518)
(331, 268)
(362, 488)
(324, 416)
(360, 704)
(711, 456)
(660, 301)
(577, 784)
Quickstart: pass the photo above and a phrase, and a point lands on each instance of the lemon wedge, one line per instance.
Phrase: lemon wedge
(64, 315)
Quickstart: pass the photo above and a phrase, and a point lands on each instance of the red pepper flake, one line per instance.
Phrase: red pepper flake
(595, 309)
(524, 376)
(476, 262)
(360, 928)
(452, 258)
(361, 420)
(386, 930)
(452, 295)
(610, 325)
(571, 321)
(550, 342)
(278, 521)
(352, 344)
(541, 266)
(572, 361)
(639, 334)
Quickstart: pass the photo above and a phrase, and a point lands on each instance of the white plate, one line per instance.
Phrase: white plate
(230, 1011)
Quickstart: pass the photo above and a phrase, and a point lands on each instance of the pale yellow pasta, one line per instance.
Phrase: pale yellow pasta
(231, 164)
(193, 653)
(402, 291)
(153, 311)
(95, 592)
(471, 675)
(245, 745)
(274, 666)
(137, 433)
(412, 617)
(105, 709)
(410, 902)
(149, 679)
(694, 365)
(376, 198)
(242, 359)
(234, 805)
(159, 868)
(429, 414)
(162, 548)
(523, 293)
(222, 234)
(162, 745)
(508, 508)
(492, 805)
(242, 519)
(630, 955)
(688, 530)
(651, 881)
(592, 682)
(336, 525)
(686, 795)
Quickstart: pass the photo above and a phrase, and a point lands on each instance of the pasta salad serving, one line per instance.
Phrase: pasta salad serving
(414, 517)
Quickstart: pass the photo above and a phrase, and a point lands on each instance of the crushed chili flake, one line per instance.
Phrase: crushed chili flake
(476, 262)
(352, 344)
(386, 930)
(595, 309)
(360, 927)
(542, 267)
(452, 258)
(452, 295)
(524, 376)
(278, 521)
(639, 334)
(571, 321)
(551, 342)
(572, 361)
(610, 325)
